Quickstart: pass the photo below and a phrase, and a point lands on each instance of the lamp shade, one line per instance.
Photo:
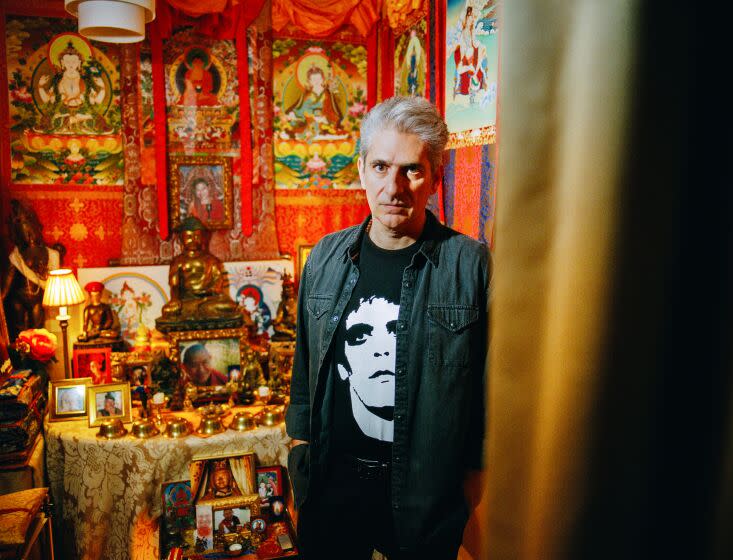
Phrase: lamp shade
(62, 289)
(112, 21)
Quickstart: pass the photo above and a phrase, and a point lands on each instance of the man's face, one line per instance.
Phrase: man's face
(198, 367)
(370, 349)
(228, 514)
(398, 181)
(109, 405)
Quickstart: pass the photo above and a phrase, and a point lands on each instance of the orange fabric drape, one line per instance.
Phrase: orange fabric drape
(320, 18)
(199, 7)
(399, 12)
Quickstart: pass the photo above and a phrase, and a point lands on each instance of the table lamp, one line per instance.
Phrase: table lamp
(112, 21)
(63, 290)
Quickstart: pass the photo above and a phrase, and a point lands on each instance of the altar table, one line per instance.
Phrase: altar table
(107, 493)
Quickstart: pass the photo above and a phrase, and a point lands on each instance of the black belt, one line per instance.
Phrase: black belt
(364, 469)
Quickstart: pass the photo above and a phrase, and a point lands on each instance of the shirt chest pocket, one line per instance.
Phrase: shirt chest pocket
(450, 332)
(318, 305)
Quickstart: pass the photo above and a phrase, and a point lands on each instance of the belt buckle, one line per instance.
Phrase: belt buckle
(370, 470)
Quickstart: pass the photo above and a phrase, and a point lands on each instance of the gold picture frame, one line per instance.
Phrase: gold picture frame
(97, 402)
(220, 352)
(303, 252)
(204, 484)
(68, 399)
(212, 202)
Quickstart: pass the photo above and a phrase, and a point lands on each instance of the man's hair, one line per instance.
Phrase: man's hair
(192, 351)
(408, 115)
(109, 396)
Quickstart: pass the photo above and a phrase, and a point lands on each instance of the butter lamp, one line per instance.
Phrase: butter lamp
(112, 21)
(62, 291)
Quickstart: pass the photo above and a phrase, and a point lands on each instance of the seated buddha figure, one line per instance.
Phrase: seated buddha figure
(99, 319)
(284, 322)
(199, 286)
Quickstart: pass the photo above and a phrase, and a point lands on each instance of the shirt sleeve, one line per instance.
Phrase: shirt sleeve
(297, 418)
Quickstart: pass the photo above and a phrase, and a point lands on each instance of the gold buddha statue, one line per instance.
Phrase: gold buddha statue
(199, 286)
(284, 322)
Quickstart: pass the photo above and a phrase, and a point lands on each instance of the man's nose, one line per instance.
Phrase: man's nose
(394, 184)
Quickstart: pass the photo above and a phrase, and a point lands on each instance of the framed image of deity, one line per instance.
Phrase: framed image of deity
(201, 186)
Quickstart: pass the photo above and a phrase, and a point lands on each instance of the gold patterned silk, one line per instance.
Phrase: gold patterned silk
(17, 510)
(107, 493)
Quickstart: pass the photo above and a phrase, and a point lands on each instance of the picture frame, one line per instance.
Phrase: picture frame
(109, 400)
(178, 507)
(205, 356)
(95, 363)
(201, 186)
(226, 523)
(270, 483)
(224, 479)
(68, 399)
(303, 252)
(137, 369)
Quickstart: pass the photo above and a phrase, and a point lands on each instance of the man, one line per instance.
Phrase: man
(387, 393)
(197, 363)
(230, 523)
(110, 407)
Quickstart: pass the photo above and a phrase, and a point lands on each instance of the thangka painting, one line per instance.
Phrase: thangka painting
(64, 92)
(257, 286)
(472, 52)
(136, 294)
(411, 61)
(202, 96)
(319, 98)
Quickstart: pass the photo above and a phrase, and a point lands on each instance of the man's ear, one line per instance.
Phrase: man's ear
(360, 167)
(343, 374)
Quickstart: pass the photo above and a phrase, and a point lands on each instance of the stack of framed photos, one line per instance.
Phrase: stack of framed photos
(80, 399)
(228, 507)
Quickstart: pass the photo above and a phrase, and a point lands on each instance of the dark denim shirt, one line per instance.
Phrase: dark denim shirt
(440, 373)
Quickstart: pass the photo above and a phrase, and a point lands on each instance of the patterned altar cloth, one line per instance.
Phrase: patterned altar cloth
(107, 493)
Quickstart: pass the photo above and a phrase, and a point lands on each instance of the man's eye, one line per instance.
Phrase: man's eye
(357, 334)
(379, 167)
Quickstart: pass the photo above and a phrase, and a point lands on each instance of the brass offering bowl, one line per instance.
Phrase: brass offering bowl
(177, 427)
(271, 416)
(243, 421)
(111, 429)
(210, 425)
(144, 429)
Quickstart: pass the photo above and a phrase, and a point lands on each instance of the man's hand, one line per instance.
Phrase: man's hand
(473, 487)
(297, 442)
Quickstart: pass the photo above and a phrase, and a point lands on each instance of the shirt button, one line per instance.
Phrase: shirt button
(399, 417)
(396, 506)
(407, 284)
(452, 324)
(400, 371)
(352, 281)
(397, 459)
(401, 325)
(335, 319)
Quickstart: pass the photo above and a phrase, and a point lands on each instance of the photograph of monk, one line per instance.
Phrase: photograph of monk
(210, 362)
(70, 400)
(94, 363)
(109, 404)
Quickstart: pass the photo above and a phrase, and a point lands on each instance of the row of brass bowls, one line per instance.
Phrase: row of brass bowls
(177, 427)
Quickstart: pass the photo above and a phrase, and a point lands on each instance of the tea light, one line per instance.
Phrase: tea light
(158, 398)
(263, 390)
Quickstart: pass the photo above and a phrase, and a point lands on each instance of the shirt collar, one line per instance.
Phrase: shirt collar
(429, 246)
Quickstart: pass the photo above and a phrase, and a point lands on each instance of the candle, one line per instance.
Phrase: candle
(263, 390)
(158, 398)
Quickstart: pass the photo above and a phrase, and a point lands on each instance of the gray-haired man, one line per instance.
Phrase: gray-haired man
(387, 397)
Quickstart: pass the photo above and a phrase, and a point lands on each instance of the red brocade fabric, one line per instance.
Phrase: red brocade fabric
(467, 191)
(302, 218)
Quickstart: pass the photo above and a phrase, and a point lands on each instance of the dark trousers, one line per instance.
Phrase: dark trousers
(347, 517)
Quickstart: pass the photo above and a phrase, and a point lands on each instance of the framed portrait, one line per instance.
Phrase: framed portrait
(137, 370)
(224, 479)
(231, 519)
(110, 400)
(204, 536)
(201, 186)
(95, 363)
(208, 358)
(68, 399)
(303, 252)
(269, 483)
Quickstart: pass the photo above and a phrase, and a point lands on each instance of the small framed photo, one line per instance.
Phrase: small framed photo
(230, 477)
(204, 535)
(110, 400)
(303, 252)
(178, 509)
(68, 399)
(95, 363)
(269, 483)
(209, 358)
(138, 372)
(201, 186)
(232, 518)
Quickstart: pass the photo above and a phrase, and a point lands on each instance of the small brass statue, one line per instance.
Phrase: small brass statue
(30, 261)
(284, 322)
(252, 376)
(100, 321)
(199, 287)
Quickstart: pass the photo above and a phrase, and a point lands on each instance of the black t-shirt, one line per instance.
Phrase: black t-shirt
(364, 355)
